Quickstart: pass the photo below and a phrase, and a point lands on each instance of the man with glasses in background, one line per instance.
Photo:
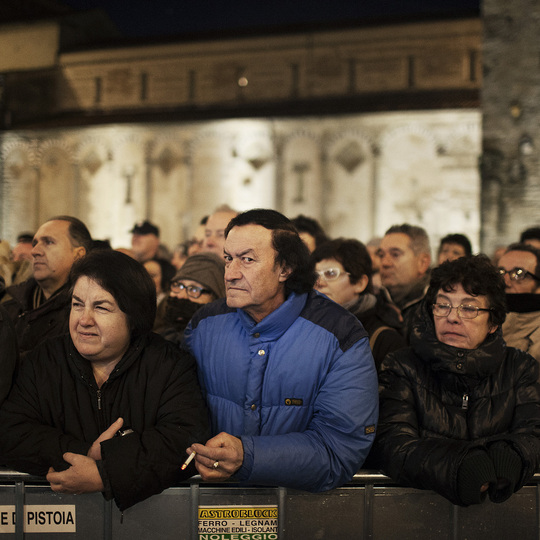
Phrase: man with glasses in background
(520, 266)
(199, 281)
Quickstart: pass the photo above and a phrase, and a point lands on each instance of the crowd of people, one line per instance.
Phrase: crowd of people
(266, 352)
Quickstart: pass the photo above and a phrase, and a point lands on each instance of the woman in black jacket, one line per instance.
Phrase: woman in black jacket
(110, 407)
(345, 270)
(460, 411)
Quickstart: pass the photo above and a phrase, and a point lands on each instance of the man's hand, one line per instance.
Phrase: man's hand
(95, 449)
(225, 450)
(82, 477)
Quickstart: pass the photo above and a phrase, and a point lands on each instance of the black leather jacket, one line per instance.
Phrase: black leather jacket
(438, 402)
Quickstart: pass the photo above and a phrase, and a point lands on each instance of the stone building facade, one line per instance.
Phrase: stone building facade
(358, 174)
(360, 128)
(511, 127)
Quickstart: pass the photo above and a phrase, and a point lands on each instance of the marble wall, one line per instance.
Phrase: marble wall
(357, 174)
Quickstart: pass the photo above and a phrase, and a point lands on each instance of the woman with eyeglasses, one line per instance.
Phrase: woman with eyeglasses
(199, 281)
(459, 410)
(344, 270)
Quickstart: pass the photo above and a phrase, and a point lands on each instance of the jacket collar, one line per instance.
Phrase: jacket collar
(479, 362)
(84, 367)
(23, 293)
(274, 325)
(412, 294)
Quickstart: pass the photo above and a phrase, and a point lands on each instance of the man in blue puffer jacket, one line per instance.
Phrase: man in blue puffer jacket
(288, 374)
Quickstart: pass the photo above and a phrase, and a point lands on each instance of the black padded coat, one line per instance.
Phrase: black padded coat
(438, 402)
(56, 407)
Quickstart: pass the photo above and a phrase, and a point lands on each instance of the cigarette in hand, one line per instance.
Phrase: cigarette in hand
(188, 460)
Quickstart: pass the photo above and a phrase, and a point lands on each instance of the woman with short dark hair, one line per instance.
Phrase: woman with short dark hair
(459, 410)
(110, 407)
(344, 272)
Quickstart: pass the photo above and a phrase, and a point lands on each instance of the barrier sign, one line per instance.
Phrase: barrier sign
(238, 522)
(46, 518)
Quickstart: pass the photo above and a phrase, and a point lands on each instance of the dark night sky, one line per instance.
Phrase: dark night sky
(159, 18)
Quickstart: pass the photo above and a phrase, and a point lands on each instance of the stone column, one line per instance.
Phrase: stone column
(511, 120)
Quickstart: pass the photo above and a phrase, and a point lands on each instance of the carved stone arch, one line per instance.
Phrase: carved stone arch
(300, 181)
(408, 175)
(58, 190)
(412, 129)
(350, 148)
(168, 185)
(252, 175)
(92, 153)
(19, 189)
(51, 151)
(166, 151)
(459, 194)
(350, 184)
(211, 155)
(425, 175)
(204, 134)
(18, 155)
(304, 133)
(255, 146)
(463, 140)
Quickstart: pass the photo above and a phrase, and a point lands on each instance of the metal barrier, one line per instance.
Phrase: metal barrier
(371, 506)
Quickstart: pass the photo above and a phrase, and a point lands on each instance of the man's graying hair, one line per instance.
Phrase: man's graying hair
(419, 238)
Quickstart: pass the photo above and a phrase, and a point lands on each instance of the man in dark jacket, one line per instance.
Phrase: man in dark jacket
(39, 306)
(405, 256)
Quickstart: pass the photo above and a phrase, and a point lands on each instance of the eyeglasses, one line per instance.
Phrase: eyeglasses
(463, 311)
(517, 274)
(191, 290)
(330, 274)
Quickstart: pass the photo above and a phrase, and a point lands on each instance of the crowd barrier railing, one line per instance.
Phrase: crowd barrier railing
(371, 506)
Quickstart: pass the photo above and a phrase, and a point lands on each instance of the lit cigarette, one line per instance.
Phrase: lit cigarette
(188, 460)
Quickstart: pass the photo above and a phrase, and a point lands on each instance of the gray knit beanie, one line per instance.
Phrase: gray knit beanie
(206, 268)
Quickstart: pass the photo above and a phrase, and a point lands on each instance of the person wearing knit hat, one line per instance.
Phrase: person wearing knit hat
(199, 281)
(206, 268)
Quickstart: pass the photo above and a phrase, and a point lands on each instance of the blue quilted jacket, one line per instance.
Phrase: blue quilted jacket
(299, 388)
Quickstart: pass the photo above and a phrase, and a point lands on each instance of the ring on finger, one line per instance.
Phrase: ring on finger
(216, 464)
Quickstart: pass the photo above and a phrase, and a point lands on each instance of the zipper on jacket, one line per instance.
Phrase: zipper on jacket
(99, 400)
(465, 402)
